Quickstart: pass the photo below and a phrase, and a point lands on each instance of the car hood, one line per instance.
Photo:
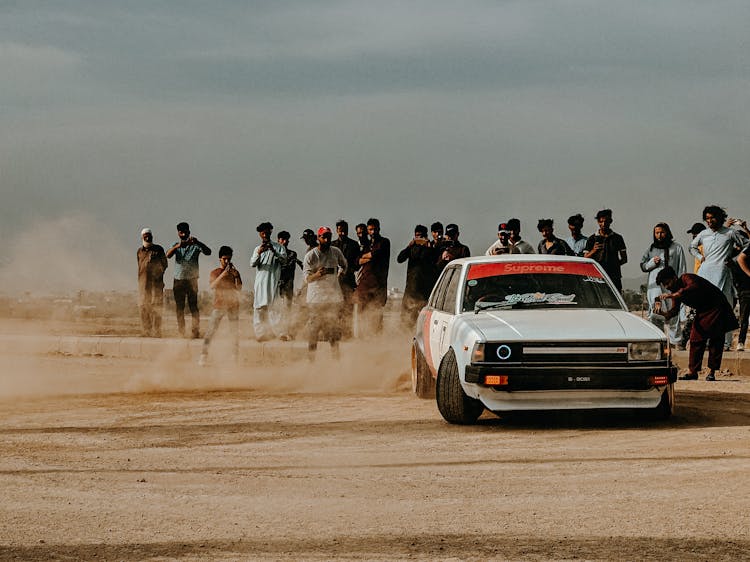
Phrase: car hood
(560, 324)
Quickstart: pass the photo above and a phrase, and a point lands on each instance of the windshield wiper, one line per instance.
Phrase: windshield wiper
(479, 307)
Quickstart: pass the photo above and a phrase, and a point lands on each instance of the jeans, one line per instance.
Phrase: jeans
(186, 289)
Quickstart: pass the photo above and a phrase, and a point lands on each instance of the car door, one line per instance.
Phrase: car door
(436, 320)
(448, 309)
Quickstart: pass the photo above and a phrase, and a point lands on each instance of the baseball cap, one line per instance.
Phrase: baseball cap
(503, 227)
(324, 230)
(307, 232)
(451, 229)
(696, 228)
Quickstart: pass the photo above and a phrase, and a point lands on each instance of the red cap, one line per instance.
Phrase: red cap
(324, 230)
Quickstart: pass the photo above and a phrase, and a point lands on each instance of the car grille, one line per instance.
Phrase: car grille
(556, 353)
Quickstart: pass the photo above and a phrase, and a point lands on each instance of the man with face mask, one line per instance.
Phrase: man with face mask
(186, 253)
(323, 267)
(267, 258)
(152, 262)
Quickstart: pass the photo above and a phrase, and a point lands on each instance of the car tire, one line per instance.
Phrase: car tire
(422, 383)
(666, 405)
(454, 405)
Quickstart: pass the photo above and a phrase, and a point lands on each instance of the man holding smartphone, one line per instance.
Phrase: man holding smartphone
(322, 268)
(186, 253)
(608, 248)
(227, 284)
(420, 258)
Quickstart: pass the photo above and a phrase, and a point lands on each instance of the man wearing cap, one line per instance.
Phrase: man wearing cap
(509, 240)
(322, 267)
(576, 240)
(502, 244)
(186, 253)
(419, 275)
(268, 258)
(372, 288)
(451, 249)
(310, 239)
(152, 262)
(608, 248)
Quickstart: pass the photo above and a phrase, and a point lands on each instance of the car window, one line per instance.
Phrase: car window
(436, 298)
(449, 302)
(538, 285)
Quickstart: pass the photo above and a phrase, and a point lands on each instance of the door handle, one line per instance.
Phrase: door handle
(434, 322)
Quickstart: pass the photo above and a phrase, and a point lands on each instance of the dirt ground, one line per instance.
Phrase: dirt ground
(123, 459)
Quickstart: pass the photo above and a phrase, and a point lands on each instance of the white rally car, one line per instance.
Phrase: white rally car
(532, 332)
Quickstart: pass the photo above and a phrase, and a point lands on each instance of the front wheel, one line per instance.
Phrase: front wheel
(454, 405)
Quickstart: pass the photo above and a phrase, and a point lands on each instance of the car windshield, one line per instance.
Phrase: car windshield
(501, 285)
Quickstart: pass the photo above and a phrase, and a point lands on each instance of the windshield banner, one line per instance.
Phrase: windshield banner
(482, 270)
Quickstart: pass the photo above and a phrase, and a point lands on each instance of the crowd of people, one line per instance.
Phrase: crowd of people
(345, 273)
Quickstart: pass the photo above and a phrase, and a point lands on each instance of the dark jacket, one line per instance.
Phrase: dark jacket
(350, 249)
(420, 270)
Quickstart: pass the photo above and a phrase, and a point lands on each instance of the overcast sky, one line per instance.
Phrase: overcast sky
(119, 115)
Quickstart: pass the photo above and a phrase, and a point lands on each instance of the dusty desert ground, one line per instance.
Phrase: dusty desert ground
(132, 459)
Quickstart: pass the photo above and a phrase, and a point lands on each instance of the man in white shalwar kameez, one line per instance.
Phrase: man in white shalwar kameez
(718, 244)
(664, 251)
(268, 258)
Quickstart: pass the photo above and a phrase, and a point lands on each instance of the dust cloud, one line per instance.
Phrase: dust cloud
(66, 255)
(378, 365)
(375, 366)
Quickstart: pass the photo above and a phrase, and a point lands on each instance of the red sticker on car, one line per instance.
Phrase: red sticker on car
(482, 270)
